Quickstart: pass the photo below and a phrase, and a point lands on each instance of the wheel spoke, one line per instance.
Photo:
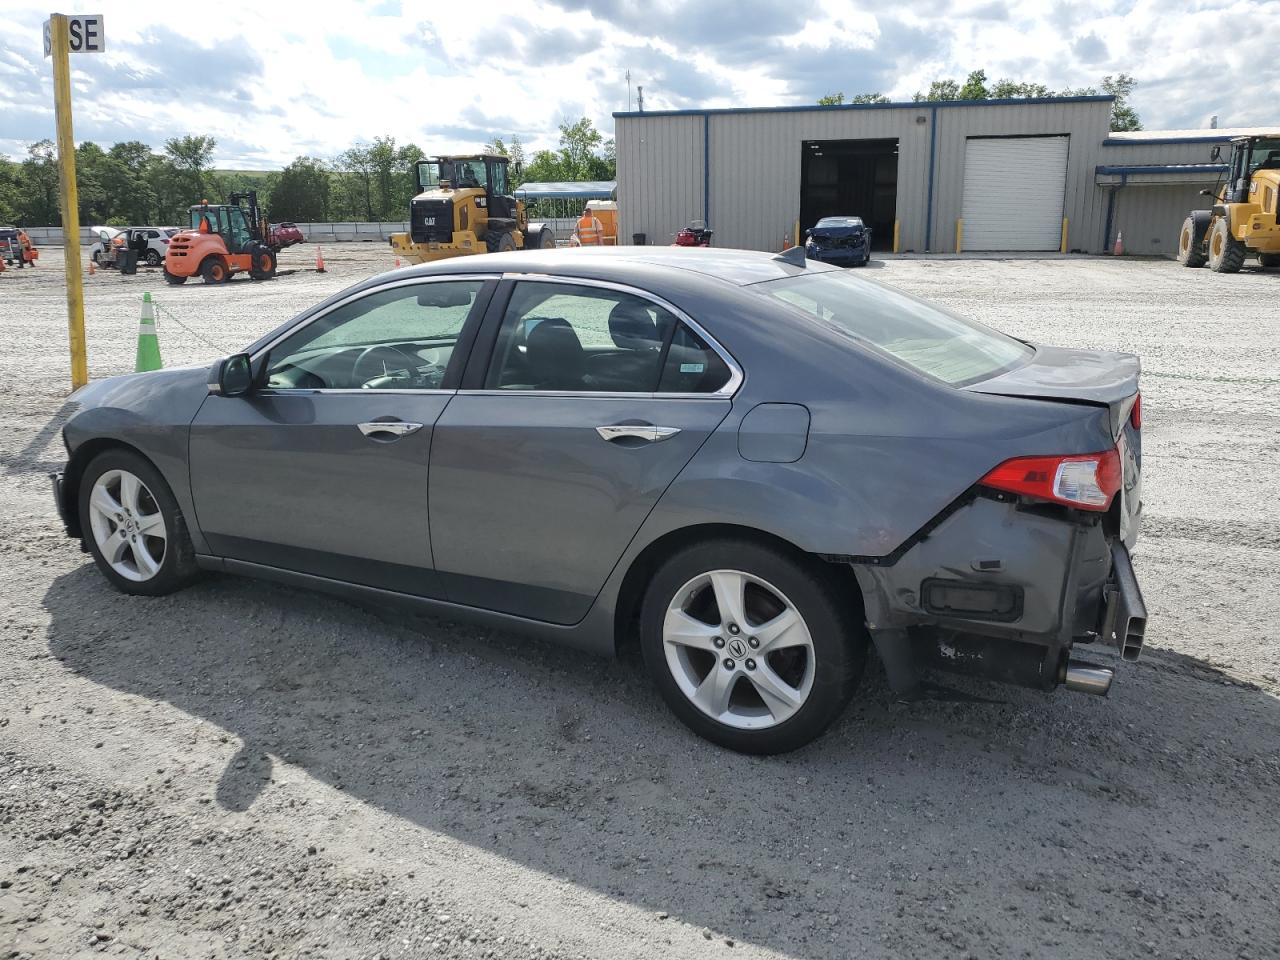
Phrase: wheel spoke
(730, 590)
(779, 697)
(713, 693)
(784, 630)
(129, 487)
(686, 631)
(105, 504)
(152, 525)
(142, 558)
(115, 546)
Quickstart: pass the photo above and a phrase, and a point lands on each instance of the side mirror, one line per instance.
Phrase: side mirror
(808, 232)
(1206, 193)
(231, 377)
(1216, 152)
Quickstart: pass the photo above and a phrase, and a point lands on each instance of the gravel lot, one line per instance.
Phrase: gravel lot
(246, 770)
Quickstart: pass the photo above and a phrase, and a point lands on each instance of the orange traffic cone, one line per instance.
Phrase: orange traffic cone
(319, 260)
(1118, 249)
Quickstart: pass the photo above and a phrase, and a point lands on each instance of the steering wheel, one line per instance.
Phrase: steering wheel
(364, 372)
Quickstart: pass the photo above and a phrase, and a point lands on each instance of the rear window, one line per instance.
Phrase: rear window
(917, 334)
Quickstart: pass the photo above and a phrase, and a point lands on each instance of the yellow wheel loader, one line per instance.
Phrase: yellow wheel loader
(466, 206)
(1245, 218)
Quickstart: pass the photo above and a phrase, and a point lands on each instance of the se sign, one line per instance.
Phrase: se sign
(85, 31)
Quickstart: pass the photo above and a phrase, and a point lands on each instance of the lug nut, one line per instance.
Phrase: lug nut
(733, 628)
(728, 664)
(719, 642)
(752, 642)
(750, 664)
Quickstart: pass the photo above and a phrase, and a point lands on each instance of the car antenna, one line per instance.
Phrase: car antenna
(792, 255)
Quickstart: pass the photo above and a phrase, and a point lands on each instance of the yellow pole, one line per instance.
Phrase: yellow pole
(959, 235)
(797, 233)
(61, 38)
(896, 223)
(1063, 247)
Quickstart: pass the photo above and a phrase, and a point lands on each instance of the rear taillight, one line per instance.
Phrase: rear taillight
(1088, 482)
(1135, 415)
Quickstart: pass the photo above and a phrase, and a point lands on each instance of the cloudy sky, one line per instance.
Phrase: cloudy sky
(274, 80)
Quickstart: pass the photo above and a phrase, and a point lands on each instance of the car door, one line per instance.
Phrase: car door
(323, 469)
(545, 464)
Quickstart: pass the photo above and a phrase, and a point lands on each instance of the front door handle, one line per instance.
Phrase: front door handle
(390, 429)
(636, 431)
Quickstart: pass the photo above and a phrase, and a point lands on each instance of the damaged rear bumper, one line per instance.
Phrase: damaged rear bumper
(1003, 592)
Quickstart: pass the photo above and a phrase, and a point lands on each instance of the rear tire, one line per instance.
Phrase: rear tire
(127, 509)
(213, 270)
(546, 239)
(1190, 247)
(1226, 253)
(688, 643)
(1269, 260)
(502, 242)
(173, 278)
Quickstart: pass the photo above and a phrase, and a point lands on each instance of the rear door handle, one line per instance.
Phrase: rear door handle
(390, 429)
(636, 431)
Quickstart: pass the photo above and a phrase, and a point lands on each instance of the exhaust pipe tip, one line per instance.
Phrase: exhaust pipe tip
(1088, 678)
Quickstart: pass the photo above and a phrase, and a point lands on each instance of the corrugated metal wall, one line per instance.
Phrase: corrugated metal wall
(756, 159)
(1150, 216)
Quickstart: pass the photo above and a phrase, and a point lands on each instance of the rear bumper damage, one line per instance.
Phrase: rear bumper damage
(1006, 592)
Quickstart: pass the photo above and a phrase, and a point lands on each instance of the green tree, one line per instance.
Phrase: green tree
(1005, 89)
(302, 192)
(1123, 116)
(38, 187)
(193, 156)
(975, 87)
(940, 90)
(357, 163)
(831, 100)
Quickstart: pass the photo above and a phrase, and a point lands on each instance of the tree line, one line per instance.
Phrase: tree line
(976, 87)
(132, 184)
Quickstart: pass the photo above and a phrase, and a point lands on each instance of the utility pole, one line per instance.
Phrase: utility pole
(640, 99)
(628, 91)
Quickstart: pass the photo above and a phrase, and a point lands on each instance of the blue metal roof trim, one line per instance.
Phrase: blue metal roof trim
(1113, 171)
(568, 190)
(900, 105)
(1145, 141)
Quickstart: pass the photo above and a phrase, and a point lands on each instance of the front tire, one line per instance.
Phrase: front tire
(133, 525)
(750, 646)
(264, 265)
(1226, 253)
(1269, 260)
(1190, 247)
(500, 242)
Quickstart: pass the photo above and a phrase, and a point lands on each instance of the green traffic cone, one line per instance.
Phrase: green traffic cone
(148, 342)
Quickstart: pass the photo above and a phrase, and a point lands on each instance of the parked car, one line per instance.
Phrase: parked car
(149, 242)
(754, 465)
(281, 235)
(840, 240)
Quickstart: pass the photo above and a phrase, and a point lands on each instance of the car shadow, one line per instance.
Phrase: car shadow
(915, 828)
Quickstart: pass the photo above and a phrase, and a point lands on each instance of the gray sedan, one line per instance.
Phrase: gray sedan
(754, 466)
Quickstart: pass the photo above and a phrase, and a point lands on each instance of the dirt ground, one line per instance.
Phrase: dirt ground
(246, 770)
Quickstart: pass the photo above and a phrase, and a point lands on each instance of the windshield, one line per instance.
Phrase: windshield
(1265, 155)
(839, 222)
(920, 335)
(428, 176)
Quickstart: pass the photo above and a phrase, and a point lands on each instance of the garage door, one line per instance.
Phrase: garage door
(1013, 193)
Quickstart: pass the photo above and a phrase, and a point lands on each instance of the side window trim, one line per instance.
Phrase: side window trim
(462, 351)
(484, 356)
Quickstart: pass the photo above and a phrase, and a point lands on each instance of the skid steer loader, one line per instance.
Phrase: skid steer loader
(466, 206)
(1245, 218)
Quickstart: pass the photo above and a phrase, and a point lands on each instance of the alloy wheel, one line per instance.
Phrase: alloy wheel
(127, 525)
(738, 649)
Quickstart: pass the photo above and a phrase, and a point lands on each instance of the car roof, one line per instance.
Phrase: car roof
(841, 220)
(737, 267)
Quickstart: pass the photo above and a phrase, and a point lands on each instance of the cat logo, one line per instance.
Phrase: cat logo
(428, 221)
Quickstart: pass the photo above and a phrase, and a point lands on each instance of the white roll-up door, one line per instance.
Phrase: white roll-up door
(1014, 189)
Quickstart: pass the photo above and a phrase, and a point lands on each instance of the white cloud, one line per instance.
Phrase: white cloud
(271, 81)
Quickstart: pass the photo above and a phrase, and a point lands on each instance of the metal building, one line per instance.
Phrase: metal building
(996, 175)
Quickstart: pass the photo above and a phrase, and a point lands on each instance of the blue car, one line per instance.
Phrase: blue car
(845, 241)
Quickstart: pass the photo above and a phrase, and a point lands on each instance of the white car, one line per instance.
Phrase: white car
(150, 242)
